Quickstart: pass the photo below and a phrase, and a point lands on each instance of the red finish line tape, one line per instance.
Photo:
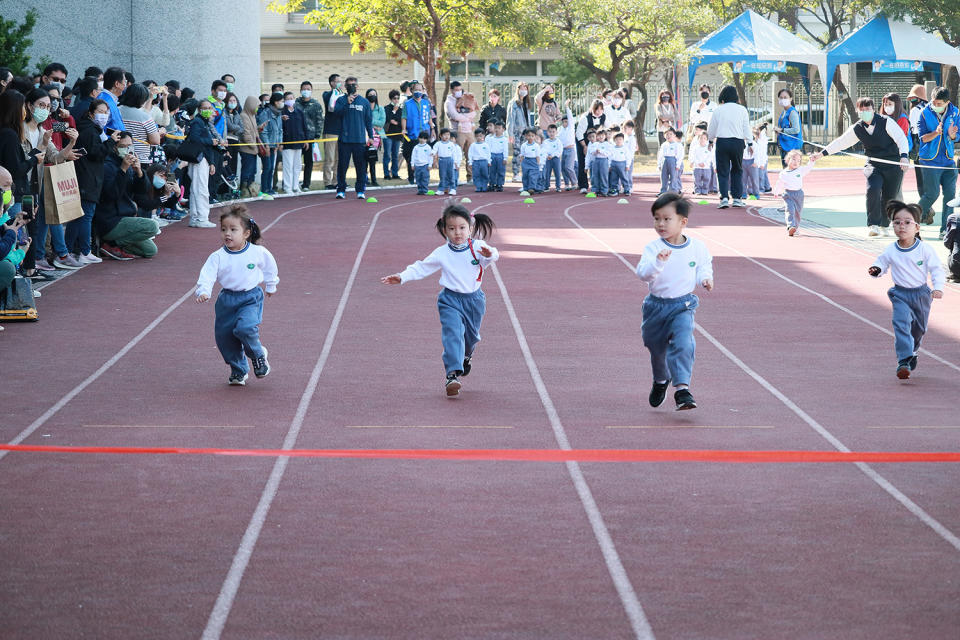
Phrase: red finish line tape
(525, 455)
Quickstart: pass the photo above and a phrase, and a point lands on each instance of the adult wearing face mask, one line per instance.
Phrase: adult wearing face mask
(355, 136)
(313, 114)
(416, 118)
(332, 126)
(114, 84)
(9, 225)
(593, 119)
(294, 130)
(98, 145)
(234, 130)
(668, 115)
(270, 122)
(548, 112)
(199, 131)
(124, 234)
(702, 110)
(938, 128)
(789, 129)
(917, 100)
(518, 121)
(461, 121)
(228, 80)
(59, 118)
(493, 110)
(250, 139)
(617, 113)
(54, 73)
(883, 141)
(393, 136)
(217, 98)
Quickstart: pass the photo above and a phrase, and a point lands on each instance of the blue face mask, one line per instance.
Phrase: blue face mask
(158, 182)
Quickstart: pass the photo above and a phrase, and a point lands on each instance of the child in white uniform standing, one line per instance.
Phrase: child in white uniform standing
(448, 156)
(462, 303)
(567, 135)
(240, 265)
(670, 162)
(479, 157)
(790, 186)
(701, 162)
(909, 261)
(672, 266)
(499, 143)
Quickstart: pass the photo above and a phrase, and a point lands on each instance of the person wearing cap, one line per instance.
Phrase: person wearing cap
(917, 101)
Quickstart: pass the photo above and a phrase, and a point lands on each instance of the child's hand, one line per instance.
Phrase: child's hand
(486, 253)
(394, 279)
(875, 272)
(202, 298)
(707, 284)
(664, 255)
(937, 294)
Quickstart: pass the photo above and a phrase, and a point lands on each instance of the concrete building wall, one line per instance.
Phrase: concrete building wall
(193, 42)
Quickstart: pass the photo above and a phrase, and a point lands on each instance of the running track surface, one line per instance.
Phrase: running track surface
(793, 355)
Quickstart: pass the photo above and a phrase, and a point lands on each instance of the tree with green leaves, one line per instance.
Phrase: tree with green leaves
(14, 42)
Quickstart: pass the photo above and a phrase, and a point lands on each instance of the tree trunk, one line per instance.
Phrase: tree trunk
(430, 72)
(848, 103)
(738, 83)
(640, 117)
(442, 105)
(952, 81)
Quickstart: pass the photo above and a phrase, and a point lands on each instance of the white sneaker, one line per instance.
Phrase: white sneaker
(583, 190)
(361, 196)
(955, 202)
(66, 262)
(885, 232)
(202, 224)
(724, 203)
(738, 202)
(874, 231)
(87, 259)
(453, 192)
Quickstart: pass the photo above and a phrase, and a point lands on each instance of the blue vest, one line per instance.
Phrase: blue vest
(789, 141)
(938, 151)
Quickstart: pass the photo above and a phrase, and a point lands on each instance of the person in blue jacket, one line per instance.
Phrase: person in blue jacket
(355, 135)
(937, 129)
(788, 126)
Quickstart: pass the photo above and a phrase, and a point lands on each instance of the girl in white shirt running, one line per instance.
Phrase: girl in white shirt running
(909, 261)
(240, 265)
(462, 303)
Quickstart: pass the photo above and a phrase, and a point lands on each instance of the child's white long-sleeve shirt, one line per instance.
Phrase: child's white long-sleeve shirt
(479, 151)
(700, 155)
(422, 155)
(239, 270)
(530, 150)
(619, 154)
(630, 142)
(791, 179)
(551, 147)
(498, 144)
(670, 150)
(909, 267)
(457, 271)
(689, 264)
(445, 149)
(598, 150)
(567, 134)
(760, 155)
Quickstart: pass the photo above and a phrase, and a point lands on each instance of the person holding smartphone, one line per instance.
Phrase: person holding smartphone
(11, 251)
(124, 235)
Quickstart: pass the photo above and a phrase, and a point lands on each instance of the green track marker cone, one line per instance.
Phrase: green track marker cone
(372, 200)
(702, 202)
(431, 192)
(752, 197)
(466, 200)
(528, 201)
(591, 194)
(623, 201)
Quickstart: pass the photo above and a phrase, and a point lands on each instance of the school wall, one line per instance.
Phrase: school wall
(194, 42)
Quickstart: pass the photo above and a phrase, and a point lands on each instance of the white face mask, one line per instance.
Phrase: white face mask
(888, 109)
(784, 102)
(288, 103)
(101, 119)
(100, 85)
(617, 102)
(306, 93)
(457, 94)
(221, 95)
(522, 93)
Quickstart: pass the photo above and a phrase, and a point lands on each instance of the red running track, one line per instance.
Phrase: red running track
(131, 546)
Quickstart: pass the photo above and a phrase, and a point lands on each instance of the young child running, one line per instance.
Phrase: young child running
(790, 187)
(461, 302)
(909, 261)
(672, 266)
(240, 265)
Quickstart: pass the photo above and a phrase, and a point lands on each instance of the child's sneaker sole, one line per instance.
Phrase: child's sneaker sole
(236, 381)
(453, 388)
(903, 372)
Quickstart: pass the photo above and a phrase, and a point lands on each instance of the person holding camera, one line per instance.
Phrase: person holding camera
(123, 233)
(18, 161)
(356, 135)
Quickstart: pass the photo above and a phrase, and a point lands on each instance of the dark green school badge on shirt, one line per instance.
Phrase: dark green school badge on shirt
(251, 266)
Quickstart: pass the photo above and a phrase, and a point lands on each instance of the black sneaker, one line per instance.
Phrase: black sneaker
(260, 365)
(658, 393)
(684, 400)
(466, 366)
(453, 385)
(913, 362)
(237, 379)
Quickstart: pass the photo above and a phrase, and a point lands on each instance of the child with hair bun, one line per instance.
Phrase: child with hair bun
(461, 303)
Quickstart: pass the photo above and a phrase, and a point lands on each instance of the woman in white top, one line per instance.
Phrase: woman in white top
(729, 130)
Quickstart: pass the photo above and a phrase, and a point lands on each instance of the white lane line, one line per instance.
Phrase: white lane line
(228, 591)
(424, 426)
(638, 620)
(93, 377)
(909, 504)
(168, 426)
(689, 426)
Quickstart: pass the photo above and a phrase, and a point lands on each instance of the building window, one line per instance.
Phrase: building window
(526, 68)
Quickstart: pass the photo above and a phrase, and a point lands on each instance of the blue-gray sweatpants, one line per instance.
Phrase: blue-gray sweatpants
(498, 170)
(619, 180)
(667, 331)
(599, 173)
(551, 167)
(237, 327)
(531, 174)
(460, 318)
(422, 176)
(670, 175)
(481, 174)
(911, 310)
(793, 198)
(448, 176)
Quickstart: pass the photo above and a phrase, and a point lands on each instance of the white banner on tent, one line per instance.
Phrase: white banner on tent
(897, 66)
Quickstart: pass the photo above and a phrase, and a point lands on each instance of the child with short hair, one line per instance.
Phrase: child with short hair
(530, 162)
(479, 157)
(910, 262)
(499, 145)
(630, 142)
(701, 161)
(761, 158)
(790, 187)
(240, 265)
(714, 181)
(621, 182)
(672, 266)
(422, 158)
(552, 150)
(446, 153)
(461, 303)
(598, 159)
(670, 162)
(568, 140)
